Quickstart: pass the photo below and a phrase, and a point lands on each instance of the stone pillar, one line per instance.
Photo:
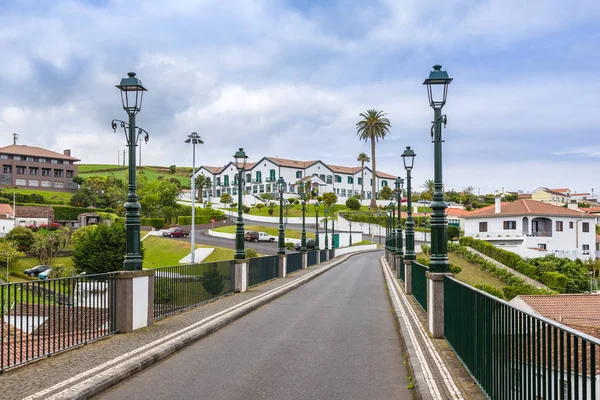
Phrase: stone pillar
(435, 304)
(318, 257)
(134, 300)
(408, 276)
(326, 255)
(304, 260)
(398, 261)
(241, 276)
(282, 266)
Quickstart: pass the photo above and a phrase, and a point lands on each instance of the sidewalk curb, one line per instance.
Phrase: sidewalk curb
(102, 381)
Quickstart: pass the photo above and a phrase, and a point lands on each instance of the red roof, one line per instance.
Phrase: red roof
(456, 212)
(524, 207)
(32, 151)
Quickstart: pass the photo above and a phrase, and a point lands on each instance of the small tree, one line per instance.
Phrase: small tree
(226, 198)
(330, 198)
(212, 280)
(22, 237)
(353, 204)
(386, 193)
(172, 169)
(9, 250)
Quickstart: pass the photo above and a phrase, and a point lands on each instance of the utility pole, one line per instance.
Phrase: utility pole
(15, 138)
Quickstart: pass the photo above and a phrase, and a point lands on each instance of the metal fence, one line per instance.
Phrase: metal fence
(294, 262)
(41, 318)
(323, 255)
(182, 286)
(402, 274)
(312, 258)
(331, 254)
(263, 269)
(516, 355)
(419, 283)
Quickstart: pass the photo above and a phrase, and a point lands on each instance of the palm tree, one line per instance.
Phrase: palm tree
(428, 185)
(362, 158)
(202, 182)
(373, 126)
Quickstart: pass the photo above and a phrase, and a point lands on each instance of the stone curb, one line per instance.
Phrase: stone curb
(106, 379)
(413, 365)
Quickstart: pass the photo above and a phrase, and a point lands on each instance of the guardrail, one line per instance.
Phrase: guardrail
(514, 354)
(294, 262)
(183, 286)
(419, 283)
(262, 269)
(41, 318)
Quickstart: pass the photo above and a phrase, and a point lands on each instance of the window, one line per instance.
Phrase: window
(226, 180)
(258, 176)
(298, 174)
(350, 180)
(29, 158)
(343, 192)
(268, 188)
(46, 184)
(360, 181)
(34, 171)
(322, 177)
(329, 179)
(262, 188)
(21, 170)
(7, 169)
(66, 162)
(3, 157)
(586, 249)
(228, 190)
(585, 226)
(371, 182)
(218, 181)
(559, 226)
(42, 160)
(58, 173)
(17, 157)
(234, 191)
(369, 195)
(254, 188)
(338, 178)
(21, 182)
(248, 177)
(510, 225)
(54, 161)
(69, 174)
(34, 182)
(46, 171)
(272, 175)
(570, 224)
(59, 185)
(383, 183)
(542, 246)
(483, 227)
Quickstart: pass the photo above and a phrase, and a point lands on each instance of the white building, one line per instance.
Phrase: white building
(534, 229)
(260, 177)
(7, 219)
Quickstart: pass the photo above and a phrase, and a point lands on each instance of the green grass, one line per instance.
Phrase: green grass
(84, 168)
(362, 243)
(289, 233)
(161, 252)
(50, 196)
(29, 262)
(296, 210)
(152, 173)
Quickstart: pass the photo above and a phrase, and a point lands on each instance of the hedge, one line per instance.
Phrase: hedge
(156, 223)
(490, 290)
(505, 257)
(203, 216)
(555, 280)
(70, 213)
(21, 275)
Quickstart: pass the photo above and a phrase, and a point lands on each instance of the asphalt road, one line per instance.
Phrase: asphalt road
(267, 248)
(332, 338)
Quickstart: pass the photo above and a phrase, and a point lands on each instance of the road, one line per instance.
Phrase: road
(267, 248)
(332, 338)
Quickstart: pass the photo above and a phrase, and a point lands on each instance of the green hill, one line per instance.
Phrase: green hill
(152, 172)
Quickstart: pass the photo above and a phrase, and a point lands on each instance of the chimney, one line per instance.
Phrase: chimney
(497, 204)
(67, 152)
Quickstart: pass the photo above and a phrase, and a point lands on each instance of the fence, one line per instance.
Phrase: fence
(263, 269)
(312, 258)
(323, 255)
(294, 262)
(513, 354)
(182, 286)
(419, 283)
(331, 253)
(401, 267)
(41, 318)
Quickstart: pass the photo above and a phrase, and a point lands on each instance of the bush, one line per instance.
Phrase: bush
(203, 216)
(426, 249)
(455, 269)
(101, 250)
(320, 199)
(453, 233)
(23, 198)
(156, 223)
(233, 205)
(251, 253)
(246, 209)
(290, 246)
(491, 290)
(212, 280)
(270, 211)
(22, 237)
(353, 204)
(69, 213)
(23, 276)
(259, 205)
(555, 280)
(505, 257)
(386, 193)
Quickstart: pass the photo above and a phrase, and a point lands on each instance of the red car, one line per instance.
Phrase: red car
(175, 232)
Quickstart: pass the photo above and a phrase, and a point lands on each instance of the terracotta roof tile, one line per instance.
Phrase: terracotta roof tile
(6, 209)
(35, 212)
(561, 190)
(344, 170)
(290, 163)
(524, 207)
(591, 210)
(568, 309)
(32, 151)
(384, 175)
(457, 212)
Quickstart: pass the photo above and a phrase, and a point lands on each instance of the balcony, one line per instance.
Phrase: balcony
(257, 181)
(503, 235)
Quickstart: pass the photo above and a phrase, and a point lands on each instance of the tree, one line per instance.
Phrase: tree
(226, 198)
(78, 179)
(154, 196)
(353, 203)
(428, 186)
(362, 158)
(47, 244)
(373, 126)
(22, 237)
(9, 250)
(172, 169)
(212, 280)
(202, 182)
(330, 198)
(386, 193)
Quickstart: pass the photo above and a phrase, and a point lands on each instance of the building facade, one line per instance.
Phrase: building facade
(534, 229)
(261, 177)
(36, 168)
(556, 197)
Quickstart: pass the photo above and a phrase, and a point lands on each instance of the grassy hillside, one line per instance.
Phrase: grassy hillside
(50, 196)
(152, 172)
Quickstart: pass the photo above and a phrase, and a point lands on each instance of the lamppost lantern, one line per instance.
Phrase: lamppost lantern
(132, 93)
(399, 184)
(281, 184)
(437, 86)
(408, 157)
(240, 158)
(317, 206)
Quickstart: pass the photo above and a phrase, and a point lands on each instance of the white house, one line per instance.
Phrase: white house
(260, 177)
(534, 229)
(34, 215)
(7, 219)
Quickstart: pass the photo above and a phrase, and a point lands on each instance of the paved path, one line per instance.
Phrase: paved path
(332, 338)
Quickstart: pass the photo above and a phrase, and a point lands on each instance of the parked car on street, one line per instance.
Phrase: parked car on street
(175, 232)
(251, 236)
(310, 245)
(36, 271)
(265, 237)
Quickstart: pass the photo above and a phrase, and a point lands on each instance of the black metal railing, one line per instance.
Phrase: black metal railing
(331, 254)
(323, 255)
(41, 318)
(262, 269)
(419, 283)
(294, 262)
(182, 286)
(513, 354)
(311, 258)
(402, 274)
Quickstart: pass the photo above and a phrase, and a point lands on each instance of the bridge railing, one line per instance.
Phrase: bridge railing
(294, 262)
(513, 354)
(44, 317)
(312, 257)
(419, 283)
(262, 269)
(183, 286)
(401, 267)
(323, 255)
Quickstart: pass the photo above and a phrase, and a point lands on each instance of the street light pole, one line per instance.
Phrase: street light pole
(132, 93)
(317, 225)
(281, 183)
(303, 237)
(437, 90)
(194, 139)
(240, 158)
(392, 226)
(399, 241)
(350, 222)
(425, 225)
(332, 226)
(326, 238)
(409, 158)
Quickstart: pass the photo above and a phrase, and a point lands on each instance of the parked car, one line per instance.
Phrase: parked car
(35, 271)
(310, 245)
(175, 232)
(265, 237)
(45, 274)
(251, 236)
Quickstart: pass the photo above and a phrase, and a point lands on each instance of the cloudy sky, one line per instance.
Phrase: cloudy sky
(289, 78)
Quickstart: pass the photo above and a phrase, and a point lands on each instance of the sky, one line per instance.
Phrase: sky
(289, 78)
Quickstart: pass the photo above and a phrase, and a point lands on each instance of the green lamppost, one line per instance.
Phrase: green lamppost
(317, 225)
(240, 158)
(132, 93)
(392, 208)
(303, 200)
(332, 226)
(350, 222)
(281, 184)
(437, 90)
(409, 160)
(399, 184)
(326, 238)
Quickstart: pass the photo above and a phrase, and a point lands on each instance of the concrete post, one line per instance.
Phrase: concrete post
(304, 260)
(241, 276)
(398, 261)
(408, 276)
(435, 303)
(282, 266)
(134, 300)
(318, 257)
(326, 255)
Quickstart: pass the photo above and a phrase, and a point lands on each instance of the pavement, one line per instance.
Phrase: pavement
(332, 338)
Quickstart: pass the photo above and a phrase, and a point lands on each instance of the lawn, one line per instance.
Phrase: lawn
(362, 243)
(296, 210)
(28, 262)
(162, 252)
(50, 196)
(289, 233)
(152, 173)
(85, 168)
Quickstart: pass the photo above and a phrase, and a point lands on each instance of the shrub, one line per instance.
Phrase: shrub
(233, 205)
(203, 216)
(490, 289)
(69, 213)
(21, 275)
(101, 250)
(453, 233)
(320, 199)
(426, 249)
(455, 269)
(251, 253)
(212, 280)
(555, 280)
(260, 205)
(353, 204)
(156, 223)
(386, 193)
(246, 209)
(330, 198)
(22, 237)
(290, 246)
(270, 211)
